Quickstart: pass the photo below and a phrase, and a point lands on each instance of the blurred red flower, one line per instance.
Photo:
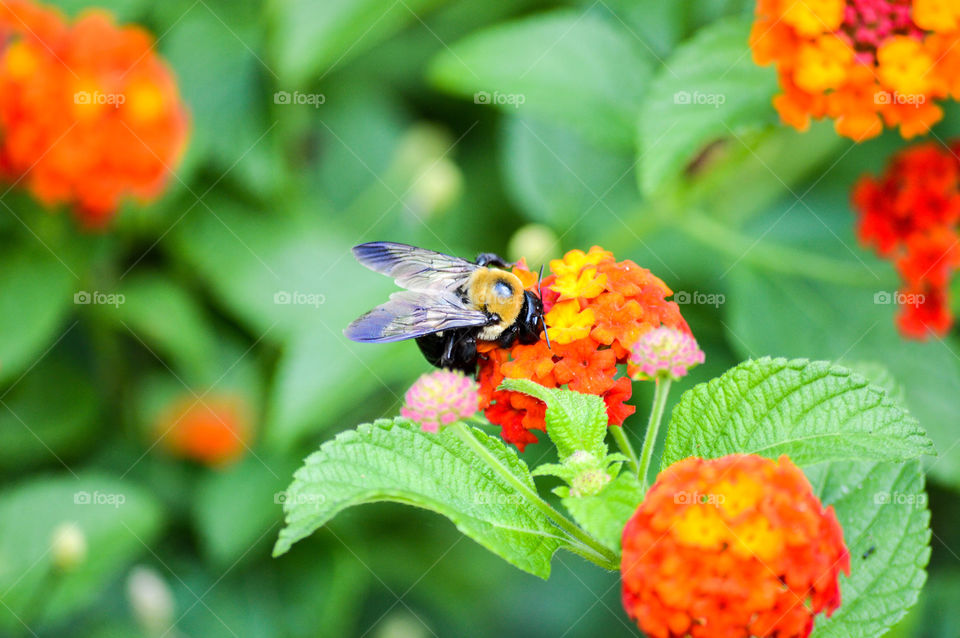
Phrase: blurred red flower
(910, 216)
(595, 309)
(735, 546)
(89, 113)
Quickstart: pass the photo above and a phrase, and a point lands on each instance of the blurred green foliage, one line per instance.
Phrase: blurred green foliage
(579, 131)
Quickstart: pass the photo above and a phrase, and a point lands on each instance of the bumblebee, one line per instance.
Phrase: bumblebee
(449, 304)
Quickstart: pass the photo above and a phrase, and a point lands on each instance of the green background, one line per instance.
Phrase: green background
(751, 220)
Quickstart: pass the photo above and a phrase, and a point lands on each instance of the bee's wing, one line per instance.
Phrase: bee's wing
(415, 268)
(410, 314)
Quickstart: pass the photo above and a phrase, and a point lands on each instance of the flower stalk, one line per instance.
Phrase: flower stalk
(626, 448)
(660, 393)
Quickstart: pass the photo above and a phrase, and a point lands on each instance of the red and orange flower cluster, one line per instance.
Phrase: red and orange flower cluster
(595, 310)
(910, 215)
(731, 547)
(863, 63)
(89, 114)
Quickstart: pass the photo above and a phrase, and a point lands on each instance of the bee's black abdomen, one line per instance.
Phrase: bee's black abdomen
(432, 348)
(452, 349)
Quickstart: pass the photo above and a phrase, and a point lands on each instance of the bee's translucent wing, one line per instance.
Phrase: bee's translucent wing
(411, 314)
(415, 268)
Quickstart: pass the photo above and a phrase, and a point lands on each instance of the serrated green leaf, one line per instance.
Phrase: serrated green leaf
(707, 88)
(829, 321)
(396, 461)
(605, 514)
(811, 411)
(880, 376)
(575, 421)
(882, 508)
(578, 70)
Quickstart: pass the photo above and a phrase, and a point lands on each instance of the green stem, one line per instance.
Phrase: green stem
(661, 390)
(587, 546)
(772, 256)
(625, 447)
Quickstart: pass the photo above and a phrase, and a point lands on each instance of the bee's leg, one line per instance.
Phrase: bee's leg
(492, 259)
(508, 336)
(460, 353)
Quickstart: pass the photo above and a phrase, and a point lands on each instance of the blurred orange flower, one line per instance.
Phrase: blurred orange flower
(735, 546)
(89, 113)
(863, 63)
(595, 309)
(910, 215)
(213, 431)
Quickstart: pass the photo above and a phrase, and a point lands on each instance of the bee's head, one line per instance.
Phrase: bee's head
(530, 320)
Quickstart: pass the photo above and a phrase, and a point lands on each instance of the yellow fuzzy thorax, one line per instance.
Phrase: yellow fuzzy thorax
(496, 291)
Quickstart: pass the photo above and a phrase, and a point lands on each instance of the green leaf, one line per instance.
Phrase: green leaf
(880, 376)
(882, 508)
(36, 291)
(766, 159)
(396, 461)
(656, 24)
(309, 393)
(231, 525)
(604, 515)
(311, 37)
(709, 89)
(575, 421)
(557, 177)
(810, 411)
(225, 99)
(832, 321)
(578, 70)
(118, 520)
(166, 317)
(38, 426)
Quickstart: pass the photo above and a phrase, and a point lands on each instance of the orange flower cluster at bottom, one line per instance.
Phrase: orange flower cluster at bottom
(732, 547)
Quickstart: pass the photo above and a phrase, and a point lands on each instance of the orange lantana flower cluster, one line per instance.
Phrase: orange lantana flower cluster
(595, 310)
(214, 431)
(89, 114)
(732, 547)
(911, 215)
(863, 63)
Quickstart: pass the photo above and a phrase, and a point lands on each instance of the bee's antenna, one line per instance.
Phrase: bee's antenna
(546, 334)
